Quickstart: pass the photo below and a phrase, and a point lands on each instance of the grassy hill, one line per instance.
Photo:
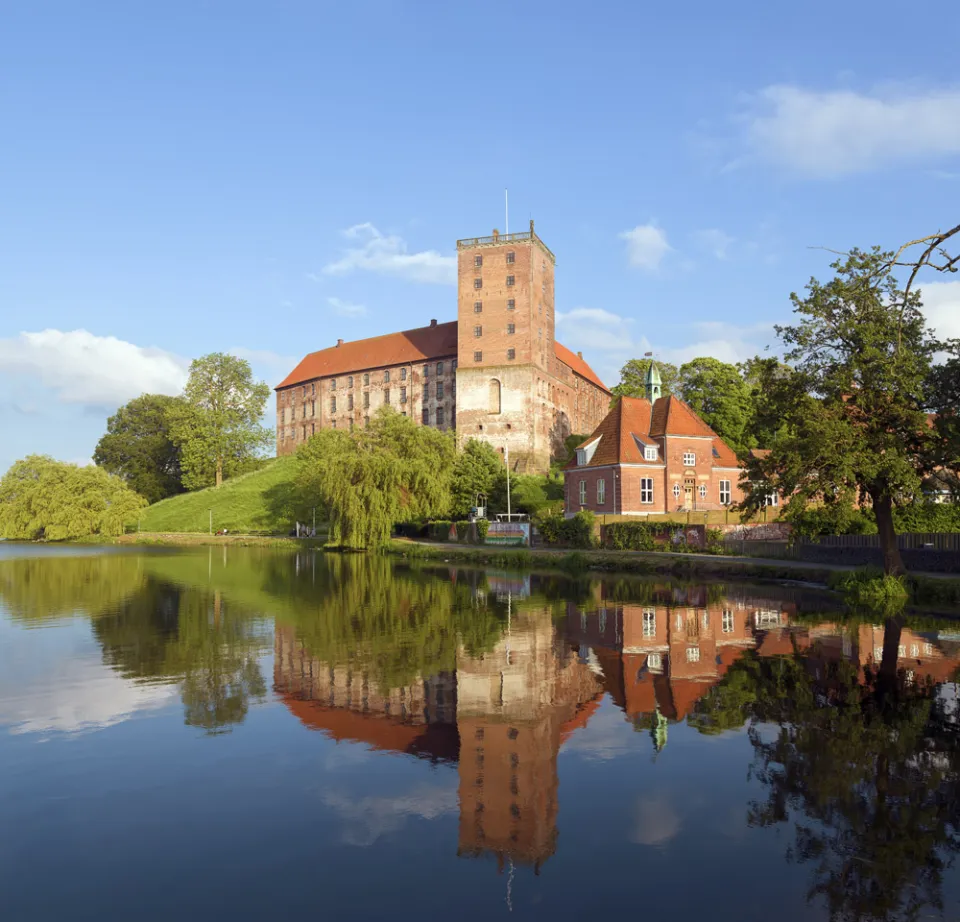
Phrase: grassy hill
(261, 501)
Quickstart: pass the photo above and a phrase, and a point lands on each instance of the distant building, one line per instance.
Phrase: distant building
(652, 455)
(496, 373)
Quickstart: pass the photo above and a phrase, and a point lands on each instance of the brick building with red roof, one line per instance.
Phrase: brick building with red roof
(496, 373)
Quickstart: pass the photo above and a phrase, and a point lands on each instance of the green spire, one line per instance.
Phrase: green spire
(653, 382)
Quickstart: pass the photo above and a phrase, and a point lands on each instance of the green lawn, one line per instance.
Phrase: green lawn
(258, 502)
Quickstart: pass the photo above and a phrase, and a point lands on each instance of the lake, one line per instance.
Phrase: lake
(257, 734)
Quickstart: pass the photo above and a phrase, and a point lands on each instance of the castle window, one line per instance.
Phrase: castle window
(478, 261)
(511, 329)
(439, 368)
(366, 399)
(313, 389)
(313, 407)
(403, 374)
(304, 432)
(313, 428)
(333, 384)
(426, 416)
(494, 406)
(350, 381)
(439, 390)
(601, 491)
(649, 452)
(583, 493)
(689, 459)
(426, 371)
(511, 257)
(349, 401)
(439, 416)
(426, 392)
(386, 376)
(366, 380)
(333, 404)
(478, 283)
(478, 356)
(511, 304)
(511, 354)
(386, 395)
(646, 490)
(478, 331)
(403, 395)
(509, 281)
(478, 307)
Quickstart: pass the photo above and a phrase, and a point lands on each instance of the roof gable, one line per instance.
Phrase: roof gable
(578, 365)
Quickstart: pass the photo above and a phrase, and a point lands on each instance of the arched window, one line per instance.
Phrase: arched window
(494, 395)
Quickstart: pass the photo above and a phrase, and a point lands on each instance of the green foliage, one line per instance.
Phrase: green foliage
(529, 493)
(216, 425)
(870, 589)
(721, 397)
(839, 519)
(439, 530)
(483, 526)
(45, 499)
(577, 531)
(463, 529)
(642, 536)
(370, 479)
(265, 500)
(633, 378)
(137, 447)
(478, 468)
(853, 413)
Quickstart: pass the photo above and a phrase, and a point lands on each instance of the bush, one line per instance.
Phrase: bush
(573, 532)
(845, 520)
(871, 589)
(483, 526)
(439, 530)
(463, 530)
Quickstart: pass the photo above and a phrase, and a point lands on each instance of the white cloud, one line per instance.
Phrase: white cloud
(387, 255)
(837, 132)
(715, 241)
(346, 309)
(941, 304)
(725, 341)
(646, 246)
(656, 821)
(83, 368)
(605, 737)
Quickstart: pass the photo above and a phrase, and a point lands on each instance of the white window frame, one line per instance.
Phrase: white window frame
(601, 491)
(771, 499)
(702, 490)
(650, 453)
(583, 493)
(654, 662)
(676, 491)
(726, 494)
(727, 621)
(693, 654)
(689, 459)
(649, 622)
(646, 491)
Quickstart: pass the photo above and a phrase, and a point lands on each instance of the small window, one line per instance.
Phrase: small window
(725, 493)
(366, 421)
(403, 374)
(511, 354)
(333, 384)
(439, 368)
(689, 459)
(727, 621)
(511, 329)
(511, 304)
(349, 401)
(478, 331)
(601, 491)
(403, 395)
(478, 307)
(313, 389)
(439, 416)
(676, 490)
(649, 622)
(511, 257)
(693, 654)
(702, 490)
(313, 407)
(771, 499)
(654, 662)
(426, 371)
(426, 416)
(478, 261)
(386, 395)
(649, 452)
(510, 281)
(646, 490)
(366, 380)
(478, 283)
(333, 404)
(350, 381)
(386, 376)
(426, 392)
(439, 390)
(583, 492)
(478, 356)
(366, 400)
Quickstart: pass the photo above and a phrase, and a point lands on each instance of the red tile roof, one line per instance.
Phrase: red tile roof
(433, 342)
(578, 365)
(421, 344)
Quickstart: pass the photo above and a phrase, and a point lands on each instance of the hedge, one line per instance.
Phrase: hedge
(574, 532)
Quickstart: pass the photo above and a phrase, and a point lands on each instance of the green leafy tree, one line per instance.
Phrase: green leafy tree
(217, 424)
(41, 498)
(478, 468)
(718, 393)
(137, 447)
(854, 412)
(372, 478)
(633, 377)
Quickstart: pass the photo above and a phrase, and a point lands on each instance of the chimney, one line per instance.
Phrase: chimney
(339, 343)
(579, 355)
(433, 323)
(496, 233)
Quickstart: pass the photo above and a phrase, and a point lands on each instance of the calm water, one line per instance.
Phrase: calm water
(264, 735)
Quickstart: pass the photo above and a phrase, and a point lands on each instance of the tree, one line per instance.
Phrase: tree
(633, 377)
(854, 412)
(137, 447)
(45, 499)
(216, 425)
(372, 478)
(477, 469)
(718, 393)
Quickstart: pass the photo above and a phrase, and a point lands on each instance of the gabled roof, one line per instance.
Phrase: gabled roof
(578, 365)
(423, 343)
(633, 421)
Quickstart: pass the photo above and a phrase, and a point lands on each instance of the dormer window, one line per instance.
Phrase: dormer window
(581, 457)
(650, 453)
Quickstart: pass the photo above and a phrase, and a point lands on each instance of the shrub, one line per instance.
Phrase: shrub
(573, 532)
(463, 529)
(483, 526)
(871, 589)
(439, 530)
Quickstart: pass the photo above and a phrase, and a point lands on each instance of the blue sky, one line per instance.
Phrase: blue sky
(264, 178)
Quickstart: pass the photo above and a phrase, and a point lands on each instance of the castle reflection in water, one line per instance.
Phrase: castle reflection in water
(502, 717)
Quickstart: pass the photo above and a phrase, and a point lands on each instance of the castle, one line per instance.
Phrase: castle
(496, 373)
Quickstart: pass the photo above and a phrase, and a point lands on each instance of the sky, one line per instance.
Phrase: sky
(263, 178)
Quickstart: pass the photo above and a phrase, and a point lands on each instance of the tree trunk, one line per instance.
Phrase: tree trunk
(219, 471)
(886, 687)
(883, 511)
